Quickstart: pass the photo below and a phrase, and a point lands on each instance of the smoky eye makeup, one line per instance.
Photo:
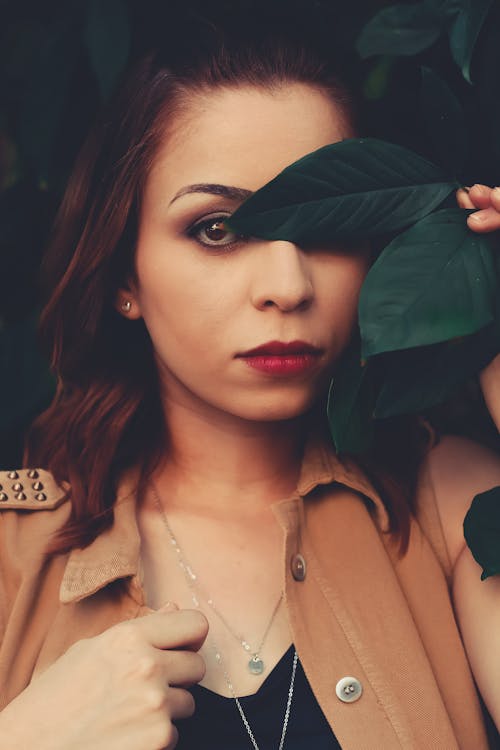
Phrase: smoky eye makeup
(210, 231)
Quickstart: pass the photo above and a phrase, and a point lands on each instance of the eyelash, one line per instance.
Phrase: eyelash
(195, 229)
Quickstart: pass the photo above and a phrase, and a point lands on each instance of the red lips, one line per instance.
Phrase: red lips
(283, 359)
(280, 348)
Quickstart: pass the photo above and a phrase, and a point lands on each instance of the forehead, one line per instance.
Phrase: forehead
(244, 136)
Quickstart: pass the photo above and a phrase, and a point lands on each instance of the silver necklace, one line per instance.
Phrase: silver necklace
(191, 578)
(218, 659)
(255, 665)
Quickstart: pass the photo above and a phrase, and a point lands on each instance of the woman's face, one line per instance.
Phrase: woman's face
(207, 296)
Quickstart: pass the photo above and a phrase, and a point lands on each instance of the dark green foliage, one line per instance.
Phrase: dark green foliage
(59, 60)
(433, 283)
(482, 531)
(356, 189)
(465, 31)
(400, 30)
(411, 29)
(413, 380)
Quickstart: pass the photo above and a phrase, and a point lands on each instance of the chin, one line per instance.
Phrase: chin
(277, 409)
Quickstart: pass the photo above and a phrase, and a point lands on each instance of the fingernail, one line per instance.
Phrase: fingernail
(168, 607)
(477, 218)
(497, 192)
(465, 189)
(480, 189)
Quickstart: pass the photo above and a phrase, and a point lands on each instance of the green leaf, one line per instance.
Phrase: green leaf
(377, 82)
(107, 38)
(482, 531)
(399, 30)
(465, 32)
(433, 283)
(350, 404)
(416, 379)
(444, 121)
(355, 189)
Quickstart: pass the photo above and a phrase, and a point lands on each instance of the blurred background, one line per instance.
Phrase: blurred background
(61, 59)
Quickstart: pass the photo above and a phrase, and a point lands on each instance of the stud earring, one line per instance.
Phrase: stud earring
(126, 306)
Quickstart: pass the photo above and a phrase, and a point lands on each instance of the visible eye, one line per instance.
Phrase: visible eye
(212, 232)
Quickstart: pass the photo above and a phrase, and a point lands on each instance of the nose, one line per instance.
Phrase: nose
(283, 279)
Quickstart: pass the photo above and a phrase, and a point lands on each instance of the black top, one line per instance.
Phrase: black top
(217, 724)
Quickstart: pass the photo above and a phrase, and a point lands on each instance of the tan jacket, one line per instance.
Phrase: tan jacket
(355, 608)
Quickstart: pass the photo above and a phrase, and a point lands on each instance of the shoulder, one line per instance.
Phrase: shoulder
(30, 490)
(32, 508)
(454, 471)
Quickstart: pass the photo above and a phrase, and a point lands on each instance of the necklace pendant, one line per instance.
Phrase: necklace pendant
(256, 665)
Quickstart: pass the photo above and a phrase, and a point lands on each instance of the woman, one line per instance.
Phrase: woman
(199, 527)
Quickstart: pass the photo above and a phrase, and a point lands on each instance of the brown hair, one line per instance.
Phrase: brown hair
(107, 415)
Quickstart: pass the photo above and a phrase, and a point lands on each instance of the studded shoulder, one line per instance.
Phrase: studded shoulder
(30, 489)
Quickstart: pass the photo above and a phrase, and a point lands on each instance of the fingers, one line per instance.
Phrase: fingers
(487, 220)
(182, 668)
(181, 703)
(487, 200)
(177, 629)
(463, 199)
(480, 196)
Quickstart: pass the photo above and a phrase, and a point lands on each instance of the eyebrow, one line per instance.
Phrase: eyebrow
(226, 191)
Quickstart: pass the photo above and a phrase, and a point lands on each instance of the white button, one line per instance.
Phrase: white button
(349, 689)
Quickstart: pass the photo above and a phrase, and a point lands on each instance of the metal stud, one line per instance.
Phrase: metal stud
(37, 486)
(21, 496)
(13, 475)
(3, 497)
(17, 487)
(41, 497)
(33, 474)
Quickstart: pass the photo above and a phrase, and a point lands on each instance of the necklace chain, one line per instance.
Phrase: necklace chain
(191, 579)
(255, 665)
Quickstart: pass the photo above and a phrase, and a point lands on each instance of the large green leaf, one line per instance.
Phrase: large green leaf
(482, 531)
(444, 121)
(354, 189)
(465, 32)
(435, 282)
(399, 30)
(107, 38)
(351, 399)
(416, 379)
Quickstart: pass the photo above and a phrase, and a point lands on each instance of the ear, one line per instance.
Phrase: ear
(126, 302)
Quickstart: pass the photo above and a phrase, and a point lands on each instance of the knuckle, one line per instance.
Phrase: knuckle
(155, 699)
(168, 737)
(146, 666)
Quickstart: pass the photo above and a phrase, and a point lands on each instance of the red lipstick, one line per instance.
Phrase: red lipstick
(280, 358)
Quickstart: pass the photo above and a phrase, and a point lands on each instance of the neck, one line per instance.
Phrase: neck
(221, 463)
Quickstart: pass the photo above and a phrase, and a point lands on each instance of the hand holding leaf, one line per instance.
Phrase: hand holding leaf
(487, 200)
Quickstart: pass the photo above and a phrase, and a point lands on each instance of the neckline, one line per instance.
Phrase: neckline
(279, 673)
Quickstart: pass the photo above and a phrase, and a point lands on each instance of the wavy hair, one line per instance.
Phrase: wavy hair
(107, 414)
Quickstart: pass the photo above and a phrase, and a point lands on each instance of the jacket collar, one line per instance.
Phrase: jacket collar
(115, 553)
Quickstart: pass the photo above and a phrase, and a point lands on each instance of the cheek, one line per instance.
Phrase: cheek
(339, 283)
(185, 305)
